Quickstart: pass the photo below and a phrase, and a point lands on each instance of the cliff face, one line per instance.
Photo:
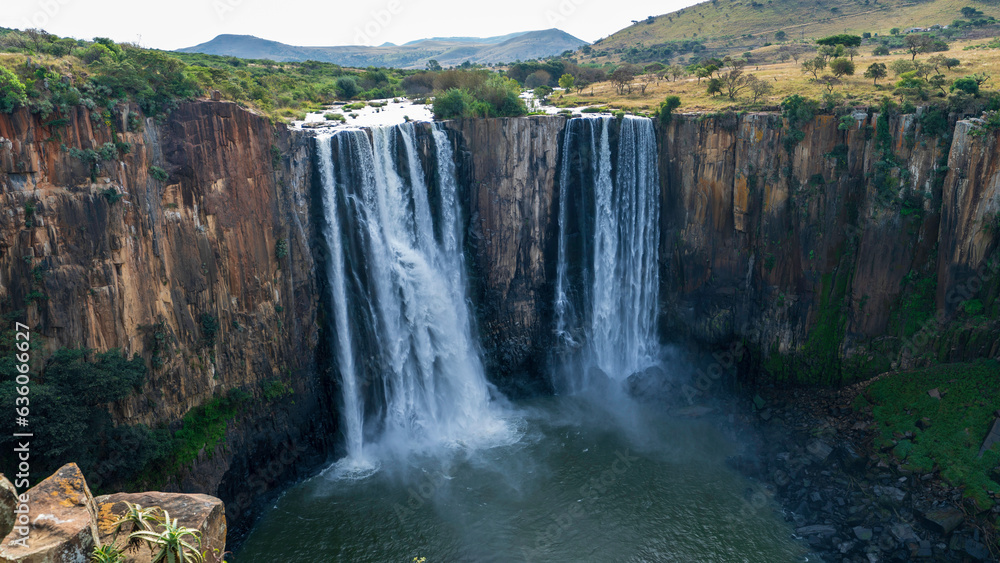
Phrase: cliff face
(510, 170)
(183, 270)
(834, 257)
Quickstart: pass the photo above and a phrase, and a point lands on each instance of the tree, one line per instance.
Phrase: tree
(814, 66)
(453, 104)
(780, 35)
(894, 31)
(938, 81)
(347, 87)
(676, 72)
(828, 81)
(735, 81)
(542, 92)
(900, 66)
(702, 72)
(917, 43)
(852, 52)
(714, 86)
(566, 81)
(759, 89)
(622, 78)
(966, 84)
(667, 108)
(880, 51)
(12, 93)
(844, 39)
(970, 12)
(841, 67)
(433, 65)
(876, 71)
(950, 63)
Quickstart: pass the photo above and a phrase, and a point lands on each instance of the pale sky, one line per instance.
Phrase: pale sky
(183, 23)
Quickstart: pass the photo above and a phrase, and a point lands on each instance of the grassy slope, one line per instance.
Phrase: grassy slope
(725, 22)
(958, 422)
(787, 79)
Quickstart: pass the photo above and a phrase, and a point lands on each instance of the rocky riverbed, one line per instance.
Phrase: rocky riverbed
(814, 453)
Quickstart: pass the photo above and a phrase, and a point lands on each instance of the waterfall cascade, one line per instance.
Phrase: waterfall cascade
(607, 274)
(411, 374)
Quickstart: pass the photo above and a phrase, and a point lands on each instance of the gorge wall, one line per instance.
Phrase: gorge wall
(182, 271)
(863, 245)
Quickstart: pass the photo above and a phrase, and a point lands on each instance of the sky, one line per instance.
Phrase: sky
(185, 23)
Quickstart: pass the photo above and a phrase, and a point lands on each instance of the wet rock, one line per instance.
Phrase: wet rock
(944, 520)
(850, 460)
(976, 550)
(202, 512)
(62, 517)
(820, 449)
(862, 533)
(816, 530)
(891, 493)
(992, 438)
(903, 532)
(8, 503)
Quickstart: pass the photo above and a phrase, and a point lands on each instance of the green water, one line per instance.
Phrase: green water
(580, 484)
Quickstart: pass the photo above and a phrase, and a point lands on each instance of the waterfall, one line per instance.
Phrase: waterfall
(398, 295)
(607, 277)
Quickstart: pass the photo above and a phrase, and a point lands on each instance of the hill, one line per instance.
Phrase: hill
(448, 51)
(735, 26)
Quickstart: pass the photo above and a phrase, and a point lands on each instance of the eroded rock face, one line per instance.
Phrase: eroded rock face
(800, 251)
(131, 260)
(62, 522)
(201, 512)
(510, 168)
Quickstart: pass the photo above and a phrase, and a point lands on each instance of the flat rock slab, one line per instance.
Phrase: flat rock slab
(62, 522)
(944, 520)
(992, 437)
(204, 513)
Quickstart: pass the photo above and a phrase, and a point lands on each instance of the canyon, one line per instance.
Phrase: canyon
(826, 252)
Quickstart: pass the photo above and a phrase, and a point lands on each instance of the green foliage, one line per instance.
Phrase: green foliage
(12, 93)
(567, 81)
(280, 248)
(841, 67)
(844, 39)
(158, 173)
(453, 104)
(667, 107)
(275, 156)
(107, 554)
(880, 51)
(798, 111)
(69, 409)
(204, 427)
(112, 195)
(334, 117)
(275, 389)
(347, 87)
(958, 422)
(171, 543)
(209, 329)
(966, 84)
(479, 94)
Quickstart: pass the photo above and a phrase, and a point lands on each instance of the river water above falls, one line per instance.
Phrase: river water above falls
(579, 486)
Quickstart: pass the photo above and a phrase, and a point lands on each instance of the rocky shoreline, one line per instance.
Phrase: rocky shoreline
(813, 453)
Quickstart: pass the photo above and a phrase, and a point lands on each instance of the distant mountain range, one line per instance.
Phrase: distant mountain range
(448, 51)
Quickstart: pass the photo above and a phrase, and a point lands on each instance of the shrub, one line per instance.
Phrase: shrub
(880, 51)
(667, 107)
(281, 248)
(966, 84)
(334, 117)
(453, 104)
(12, 93)
(209, 329)
(158, 173)
(840, 67)
(347, 87)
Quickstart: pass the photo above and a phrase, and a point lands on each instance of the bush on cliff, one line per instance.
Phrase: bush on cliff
(479, 94)
(12, 93)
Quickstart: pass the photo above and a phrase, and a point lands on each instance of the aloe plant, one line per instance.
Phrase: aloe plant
(107, 554)
(169, 544)
(138, 519)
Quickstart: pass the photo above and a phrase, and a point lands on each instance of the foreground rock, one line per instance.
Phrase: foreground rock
(62, 522)
(8, 502)
(201, 512)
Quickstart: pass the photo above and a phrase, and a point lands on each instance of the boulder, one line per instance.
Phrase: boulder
(8, 502)
(993, 437)
(201, 512)
(61, 522)
(944, 520)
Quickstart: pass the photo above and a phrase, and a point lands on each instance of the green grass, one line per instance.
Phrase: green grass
(958, 421)
(747, 24)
